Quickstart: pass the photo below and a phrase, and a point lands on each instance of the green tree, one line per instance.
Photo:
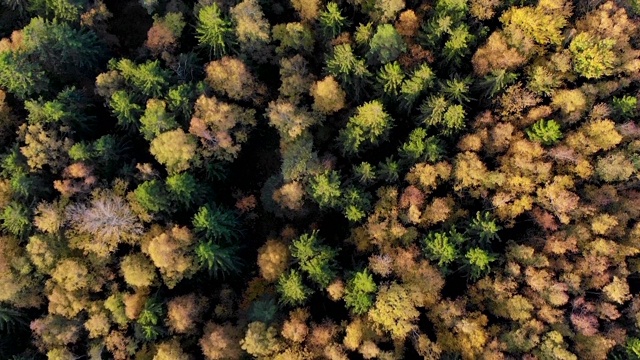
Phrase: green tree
(62, 10)
(483, 229)
(391, 77)
(156, 120)
(420, 81)
(419, 147)
(219, 260)
(458, 45)
(15, 219)
(457, 89)
(546, 132)
(61, 50)
(314, 258)
(148, 79)
(389, 170)
(331, 20)
(477, 261)
(20, 76)
(370, 124)
(360, 291)
(386, 45)
(213, 30)
(148, 326)
(151, 196)
(325, 189)
(217, 223)
(355, 204)
(292, 290)
(365, 173)
(125, 109)
(625, 107)
(439, 248)
(350, 70)
(183, 188)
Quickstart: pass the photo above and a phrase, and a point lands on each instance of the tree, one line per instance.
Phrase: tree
(315, 259)
(16, 219)
(217, 223)
(328, 97)
(221, 127)
(174, 149)
(420, 147)
(483, 229)
(292, 290)
(332, 21)
(414, 86)
(125, 109)
(325, 189)
(156, 120)
(386, 45)
(170, 253)
(307, 9)
(477, 261)
(351, 71)
(260, 340)
(370, 124)
(294, 37)
(165, 32)
(137, 270)
(365, 173)
(171, 350)
(221, 342)
(438, 247)
(252, 30)
(148, 79)
(61, 50)
(63, 10)
(183, 188)
(151, 196)
(593, 58)
(394, 311)
(217, 259)
(184, 313)
(291, 121)
(391, 77)
(213, 30)
(546, 132)
(21, 77)
(625, 107)
(273, 259)
(359, 292)
(231, 77)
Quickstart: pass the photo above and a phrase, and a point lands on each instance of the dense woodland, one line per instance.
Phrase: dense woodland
(312, 179)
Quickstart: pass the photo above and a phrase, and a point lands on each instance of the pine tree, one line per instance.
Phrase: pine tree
(325, 189)
(292, 290)
(314, 258)
(370, 124)
(438, 247)
(390, 78)
(217, 259)
(213, 30)
(546, 132)
(215, 222)
(359, 292)
(332, 21)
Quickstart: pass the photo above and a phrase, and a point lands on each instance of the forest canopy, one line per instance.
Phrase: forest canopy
(313, 179)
